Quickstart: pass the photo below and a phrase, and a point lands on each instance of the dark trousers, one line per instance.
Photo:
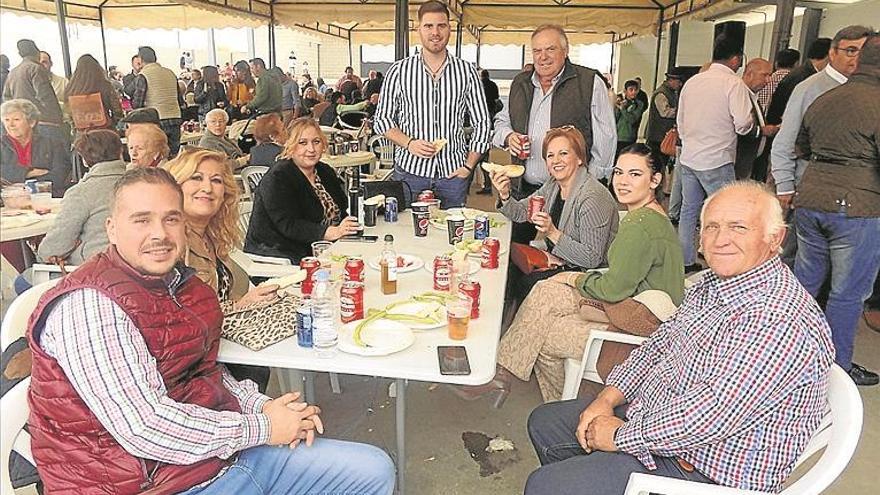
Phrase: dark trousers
(523, 232)
(171, 128)
(258, 374)
(567, 469)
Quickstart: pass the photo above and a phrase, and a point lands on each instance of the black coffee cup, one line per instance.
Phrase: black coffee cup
(371, 211)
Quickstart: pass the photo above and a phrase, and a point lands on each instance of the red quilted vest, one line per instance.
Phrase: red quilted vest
(179, 318)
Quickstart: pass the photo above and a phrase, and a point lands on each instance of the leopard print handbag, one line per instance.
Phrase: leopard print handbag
(259, 326)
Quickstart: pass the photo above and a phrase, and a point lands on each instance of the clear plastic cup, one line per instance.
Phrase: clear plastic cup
(458, 312)
(41, 203)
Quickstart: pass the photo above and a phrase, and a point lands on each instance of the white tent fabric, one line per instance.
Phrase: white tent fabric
(372, 21)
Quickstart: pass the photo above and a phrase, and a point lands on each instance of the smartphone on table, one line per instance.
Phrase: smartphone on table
(453, 360)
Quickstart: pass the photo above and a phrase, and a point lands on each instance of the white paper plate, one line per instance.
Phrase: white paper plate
(414, 307)
(468, 213)
(479, 254)
(474, 267)
(413, 263)
(384, 337)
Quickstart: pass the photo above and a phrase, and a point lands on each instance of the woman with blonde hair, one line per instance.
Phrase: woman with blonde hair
(300, 200)
(147, 145)
(210, 205)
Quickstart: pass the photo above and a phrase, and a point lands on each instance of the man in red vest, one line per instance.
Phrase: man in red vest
(126, 393)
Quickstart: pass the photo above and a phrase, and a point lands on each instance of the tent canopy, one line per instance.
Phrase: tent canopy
(372, 21)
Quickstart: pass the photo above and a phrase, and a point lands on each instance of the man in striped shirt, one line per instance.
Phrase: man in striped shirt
(126, 394)
(728, 391)
(422, 110)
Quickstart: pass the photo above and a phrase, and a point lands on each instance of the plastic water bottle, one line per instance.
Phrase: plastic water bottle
(324, 301)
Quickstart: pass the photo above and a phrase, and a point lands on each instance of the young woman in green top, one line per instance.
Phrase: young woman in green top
(549, 326)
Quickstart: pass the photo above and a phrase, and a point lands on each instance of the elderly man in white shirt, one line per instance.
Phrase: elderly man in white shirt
(714, 107)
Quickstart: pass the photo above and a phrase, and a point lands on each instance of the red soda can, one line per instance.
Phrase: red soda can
(526, 147)
(536, 204)
(471, 288)
(310, 264)
(426, 195)
(489, 252)
(354, 269)
(351, 301)
(442, 272)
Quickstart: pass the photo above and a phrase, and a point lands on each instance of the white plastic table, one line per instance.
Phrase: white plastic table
(420, 361)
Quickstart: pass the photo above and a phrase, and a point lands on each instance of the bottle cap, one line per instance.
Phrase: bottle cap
(322, 276)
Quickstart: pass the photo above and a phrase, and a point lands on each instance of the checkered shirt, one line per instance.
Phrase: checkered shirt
(735, 383)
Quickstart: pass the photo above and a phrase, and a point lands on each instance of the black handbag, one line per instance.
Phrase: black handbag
(389, 188)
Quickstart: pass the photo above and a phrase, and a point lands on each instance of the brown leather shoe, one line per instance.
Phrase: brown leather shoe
(872, 318)
(498, 389)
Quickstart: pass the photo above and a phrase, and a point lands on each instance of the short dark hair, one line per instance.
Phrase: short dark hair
(851, 33)
(819, 49)
(632, 83)
(787, 58)
(726, 48)
(349, 68)
(642, 150)
(99, 145)
(433, 7)
(870, 55)
(135, 56)
(147, 54)
(147, 175)
(258, 62)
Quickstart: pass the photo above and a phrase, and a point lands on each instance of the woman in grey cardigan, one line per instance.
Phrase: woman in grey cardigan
(79, 231)
(579, 218)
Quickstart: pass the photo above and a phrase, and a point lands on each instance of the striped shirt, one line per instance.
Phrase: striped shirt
(424, 108)
(735, 383)
(107, 361)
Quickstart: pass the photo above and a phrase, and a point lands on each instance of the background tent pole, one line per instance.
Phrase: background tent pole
(401, 29)
(62, 29)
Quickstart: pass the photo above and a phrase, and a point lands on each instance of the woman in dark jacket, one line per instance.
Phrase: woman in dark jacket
(300, 200)
(209, 92)
(270, 135)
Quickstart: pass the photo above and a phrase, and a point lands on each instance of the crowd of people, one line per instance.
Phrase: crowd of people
(728, 388)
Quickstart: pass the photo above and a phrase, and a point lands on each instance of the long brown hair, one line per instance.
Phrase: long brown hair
(89, 77)
(210, 75)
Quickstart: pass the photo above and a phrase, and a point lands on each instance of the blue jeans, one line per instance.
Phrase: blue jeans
(327, 467)
(675, 196)
(452, 193)
(850, 248)
(565, 467)
(695, 186)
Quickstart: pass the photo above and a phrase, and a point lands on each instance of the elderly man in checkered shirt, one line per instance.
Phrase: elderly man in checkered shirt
(728, 391)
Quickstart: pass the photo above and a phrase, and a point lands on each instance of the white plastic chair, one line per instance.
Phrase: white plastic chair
(585, 368)
(384, 149)
(43, 272)
(256, 265)
(14, 410)
(15, 322)
(838, 434)
(250, 179)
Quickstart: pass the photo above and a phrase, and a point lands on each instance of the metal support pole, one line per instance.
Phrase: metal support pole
(271, 35)
(673, 45)
(350, 58)
(319, 61)
(781, 27)
(611, 64)
(809, 30)
(523, 57)
(657, 55)
(458, 34)
(400, 423)
(401, 29)
(479, 45)
(103, 39)
(212, 51)
(62, 30)
(250, 43)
